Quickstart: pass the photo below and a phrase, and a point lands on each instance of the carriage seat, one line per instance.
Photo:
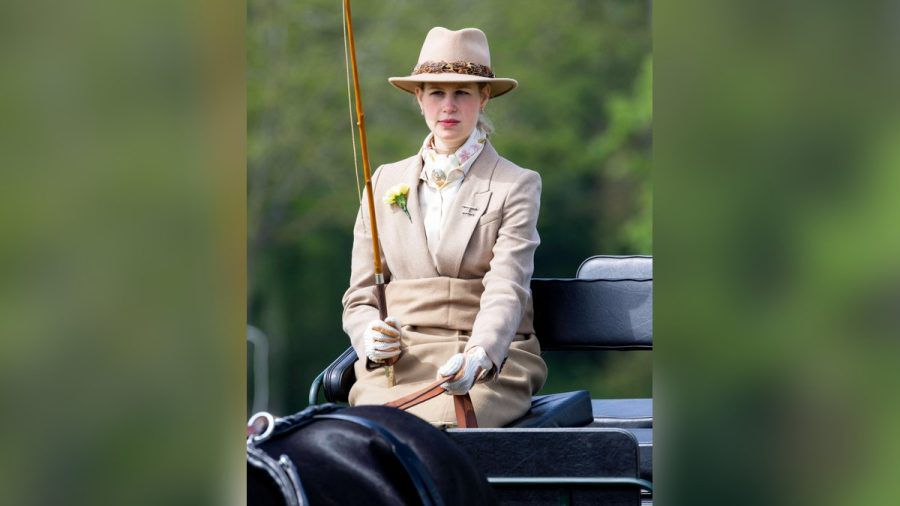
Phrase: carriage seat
(633, 415)
(570, 409)
(607, 307)
(624, 413)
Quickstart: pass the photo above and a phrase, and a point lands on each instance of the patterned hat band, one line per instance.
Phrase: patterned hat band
(455, 67)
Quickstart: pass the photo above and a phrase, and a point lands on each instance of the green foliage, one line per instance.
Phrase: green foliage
(581, 117)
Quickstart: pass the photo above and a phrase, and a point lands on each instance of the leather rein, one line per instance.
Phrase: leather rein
(465, 411)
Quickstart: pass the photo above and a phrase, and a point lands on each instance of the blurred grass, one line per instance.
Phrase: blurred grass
(777, 253)
(122, 236)
(122, 224)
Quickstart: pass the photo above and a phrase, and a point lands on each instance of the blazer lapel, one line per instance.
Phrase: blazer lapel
(414, 244)
(470, 203)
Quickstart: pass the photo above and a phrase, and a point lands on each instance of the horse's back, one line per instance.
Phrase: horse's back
(357, 460)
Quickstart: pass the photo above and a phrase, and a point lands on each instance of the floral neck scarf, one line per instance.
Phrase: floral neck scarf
(440, 170)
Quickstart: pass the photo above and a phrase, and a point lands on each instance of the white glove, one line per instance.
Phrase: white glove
(475, 365)
(382, 339)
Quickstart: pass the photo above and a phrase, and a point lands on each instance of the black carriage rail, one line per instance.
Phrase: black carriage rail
(569, 480)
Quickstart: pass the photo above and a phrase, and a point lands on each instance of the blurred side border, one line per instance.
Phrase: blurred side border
(123, 225)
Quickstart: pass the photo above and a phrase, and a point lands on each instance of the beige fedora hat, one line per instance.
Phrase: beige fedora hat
(450, 56)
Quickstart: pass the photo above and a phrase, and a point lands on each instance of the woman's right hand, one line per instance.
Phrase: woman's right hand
(382, 339)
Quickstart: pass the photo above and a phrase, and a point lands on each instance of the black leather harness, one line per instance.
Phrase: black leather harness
(284, 473)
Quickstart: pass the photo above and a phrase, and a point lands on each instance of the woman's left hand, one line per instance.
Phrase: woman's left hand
(475, 366)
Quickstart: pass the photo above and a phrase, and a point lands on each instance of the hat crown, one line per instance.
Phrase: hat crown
(466, 45)
(454, 56)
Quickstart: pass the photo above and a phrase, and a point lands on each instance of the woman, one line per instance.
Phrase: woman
(458, 250)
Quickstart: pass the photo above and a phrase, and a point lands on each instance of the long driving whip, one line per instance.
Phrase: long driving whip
(367, 174)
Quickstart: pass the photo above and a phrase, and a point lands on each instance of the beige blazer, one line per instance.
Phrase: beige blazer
(474, 291)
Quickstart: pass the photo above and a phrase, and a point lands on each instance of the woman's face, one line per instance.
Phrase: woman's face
(451, 111)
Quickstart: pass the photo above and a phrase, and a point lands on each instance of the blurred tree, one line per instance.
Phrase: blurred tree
(581, 117)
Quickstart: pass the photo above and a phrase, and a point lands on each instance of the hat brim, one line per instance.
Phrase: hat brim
(499, 85)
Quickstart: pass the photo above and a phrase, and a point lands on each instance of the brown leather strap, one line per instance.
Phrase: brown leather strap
(419, 396)
(465, 411)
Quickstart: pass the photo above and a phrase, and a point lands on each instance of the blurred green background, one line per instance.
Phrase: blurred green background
(776, 129)
(581, 117)
(777, 288)
(122, 232)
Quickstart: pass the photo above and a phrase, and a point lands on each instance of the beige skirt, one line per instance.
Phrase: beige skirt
(497, 401)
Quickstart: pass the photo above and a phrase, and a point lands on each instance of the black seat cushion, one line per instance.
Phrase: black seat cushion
(623, 413)
(569, 409)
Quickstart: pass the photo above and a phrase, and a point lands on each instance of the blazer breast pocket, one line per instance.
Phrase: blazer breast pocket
(490, 217)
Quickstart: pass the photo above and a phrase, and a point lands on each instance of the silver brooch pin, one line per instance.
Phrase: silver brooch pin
(439, 177)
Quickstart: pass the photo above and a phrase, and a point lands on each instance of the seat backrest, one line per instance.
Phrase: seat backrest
(608, 306)
(616, 267)
(579, 314)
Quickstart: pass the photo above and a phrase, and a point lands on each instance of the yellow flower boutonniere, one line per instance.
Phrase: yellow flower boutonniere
(396, 196)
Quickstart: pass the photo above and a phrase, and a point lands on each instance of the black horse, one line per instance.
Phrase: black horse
(371, 455)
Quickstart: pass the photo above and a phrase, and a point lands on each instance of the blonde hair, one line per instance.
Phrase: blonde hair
(485, 125)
